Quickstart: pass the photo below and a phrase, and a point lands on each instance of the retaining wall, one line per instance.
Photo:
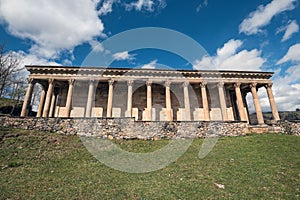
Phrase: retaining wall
(127, 128)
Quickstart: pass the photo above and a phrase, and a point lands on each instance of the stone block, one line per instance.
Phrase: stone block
(135, 113)
(216, 114)
(97, 112)
(116, 112)
(78, 112)
(198, 114)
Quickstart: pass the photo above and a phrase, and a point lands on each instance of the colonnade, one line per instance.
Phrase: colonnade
(48, 99)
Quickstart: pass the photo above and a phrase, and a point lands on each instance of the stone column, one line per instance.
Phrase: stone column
(204, 101)
(110, 98)
(69, 97)
(272, 102)
(42, 101)
(187, 105)
(149, 94)
(27, 98)
(48, 98)
(222, 101)
(259, 115)
(129, 99)
(168, 101)
(244, 94)
(240, 101)
(90, 98)
(52, 105)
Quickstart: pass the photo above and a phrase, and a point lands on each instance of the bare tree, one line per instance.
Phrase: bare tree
(9, 66)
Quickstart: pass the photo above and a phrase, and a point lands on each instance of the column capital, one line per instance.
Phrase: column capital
(71, 81)
(268, 85)
(253, 85)
(149, 82)
(185, 83)
(30, 80)
(167, 83)
(220, 84)
(51, 80)
(111, 82)
(203, 84)
(92, 82)
(237, 85)
(130, 83)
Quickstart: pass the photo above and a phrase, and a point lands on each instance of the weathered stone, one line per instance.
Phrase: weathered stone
(127, 128)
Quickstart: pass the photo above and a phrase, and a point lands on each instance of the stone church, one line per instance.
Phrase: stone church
(147, 94)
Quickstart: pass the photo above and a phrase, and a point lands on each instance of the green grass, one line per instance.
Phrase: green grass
(41, 165)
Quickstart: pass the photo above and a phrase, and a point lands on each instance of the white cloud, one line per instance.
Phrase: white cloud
(147, 5)
(53, 26)
(228, 58)
(263, 15)
(202, 5)
(293, 54)
(96, 46)
(106, 7)
(151, 65)
(30, 59)
(286, 89)
(123, 56)
(290, 29)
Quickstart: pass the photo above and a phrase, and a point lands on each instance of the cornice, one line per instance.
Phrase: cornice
(120, 72)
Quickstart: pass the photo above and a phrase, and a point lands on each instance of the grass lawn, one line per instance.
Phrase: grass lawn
(41, 165)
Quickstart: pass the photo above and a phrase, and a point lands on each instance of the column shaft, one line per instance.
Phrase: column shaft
(204, 101)
(69, 98)
(272, 102)
(27, 98)
(222, 101)
(259, 115)
(52, 106)
(187, 105)
(149, 95)
(90, 99)
(42, 101)
(110, 98)
(240, 102)
(48, 98)
(129, 99)
(168, 101)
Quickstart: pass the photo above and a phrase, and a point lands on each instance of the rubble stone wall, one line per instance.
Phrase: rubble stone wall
(127, 128)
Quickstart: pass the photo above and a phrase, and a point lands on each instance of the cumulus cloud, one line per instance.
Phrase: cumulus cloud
(106, 7)
(293, 55)
(53, 25)
(287, 89)
(151, 65)
(263, 15)
(147, 5)
(290, 29)
(123, 56)
(229, 58)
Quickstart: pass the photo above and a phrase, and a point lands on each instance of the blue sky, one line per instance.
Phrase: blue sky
(237, 35)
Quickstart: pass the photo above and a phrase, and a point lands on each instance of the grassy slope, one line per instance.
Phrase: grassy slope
(46, 165)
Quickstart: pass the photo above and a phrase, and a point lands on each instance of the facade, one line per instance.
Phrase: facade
(147, 94)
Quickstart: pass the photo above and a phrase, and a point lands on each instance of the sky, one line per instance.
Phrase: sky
(254, 35)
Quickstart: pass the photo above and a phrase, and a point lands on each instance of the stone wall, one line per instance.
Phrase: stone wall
(288, 127)
(127, 128)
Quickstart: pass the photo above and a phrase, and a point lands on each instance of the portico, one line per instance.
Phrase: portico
(147, 94)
